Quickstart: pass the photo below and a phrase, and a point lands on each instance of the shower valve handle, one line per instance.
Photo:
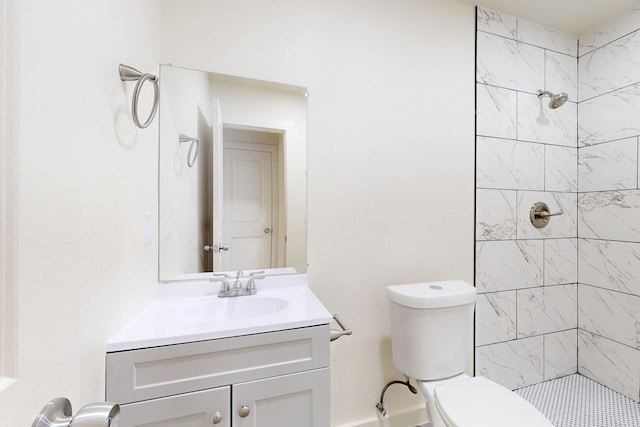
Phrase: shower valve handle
(540, 214)
(547, 214)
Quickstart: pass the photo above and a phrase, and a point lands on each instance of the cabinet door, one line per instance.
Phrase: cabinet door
(196, 409)
(295, 400)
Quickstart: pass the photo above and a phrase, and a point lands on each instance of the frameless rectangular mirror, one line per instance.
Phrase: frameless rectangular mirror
(232, 175)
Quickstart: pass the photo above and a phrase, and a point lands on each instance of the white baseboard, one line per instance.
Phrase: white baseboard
(411, 418)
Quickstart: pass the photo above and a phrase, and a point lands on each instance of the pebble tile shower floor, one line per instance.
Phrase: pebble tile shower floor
(577, 401)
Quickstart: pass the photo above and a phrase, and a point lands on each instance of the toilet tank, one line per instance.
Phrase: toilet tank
(431, 328)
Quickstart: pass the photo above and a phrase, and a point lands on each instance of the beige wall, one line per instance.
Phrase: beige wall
(391, 150)
(86, 177)
(391, 164)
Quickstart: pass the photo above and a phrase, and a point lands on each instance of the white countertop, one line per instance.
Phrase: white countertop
(192, 311)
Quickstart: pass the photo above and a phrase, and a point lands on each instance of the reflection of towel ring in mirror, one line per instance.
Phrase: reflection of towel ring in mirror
(192, 155)
(128, 73)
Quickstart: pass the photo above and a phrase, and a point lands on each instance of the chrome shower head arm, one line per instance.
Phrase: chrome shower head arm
(556, 99)
(541, 93)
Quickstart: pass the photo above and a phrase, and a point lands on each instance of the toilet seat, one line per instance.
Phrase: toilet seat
(479, 402)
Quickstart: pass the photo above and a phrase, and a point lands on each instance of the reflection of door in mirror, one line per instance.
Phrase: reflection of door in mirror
(242, 204)
(251, 203)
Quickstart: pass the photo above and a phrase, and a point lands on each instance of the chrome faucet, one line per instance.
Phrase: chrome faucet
(224, 278)
(237, 284)
(251, 283)
(237, 290)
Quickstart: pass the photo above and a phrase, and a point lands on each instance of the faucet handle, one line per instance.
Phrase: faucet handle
(224, 278)
(225, 275)
(251, 283)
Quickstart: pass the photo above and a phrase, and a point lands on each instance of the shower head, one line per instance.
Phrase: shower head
(557, 99)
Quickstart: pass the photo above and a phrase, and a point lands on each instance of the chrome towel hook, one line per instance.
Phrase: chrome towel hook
(128, 73)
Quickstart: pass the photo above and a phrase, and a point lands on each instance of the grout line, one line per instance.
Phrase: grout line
(569, 401)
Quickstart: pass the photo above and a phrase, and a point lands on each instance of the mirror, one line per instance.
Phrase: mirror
(232, 175)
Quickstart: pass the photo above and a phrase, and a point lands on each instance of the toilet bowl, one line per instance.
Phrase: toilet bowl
(477, 402)
(431, 335)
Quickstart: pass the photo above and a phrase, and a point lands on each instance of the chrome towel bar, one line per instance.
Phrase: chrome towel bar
(335, 334)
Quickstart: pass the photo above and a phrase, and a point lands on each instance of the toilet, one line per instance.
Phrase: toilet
(431, 336)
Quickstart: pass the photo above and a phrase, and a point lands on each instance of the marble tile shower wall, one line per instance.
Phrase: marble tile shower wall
(564, 298)
(526, 314)
(609, 205)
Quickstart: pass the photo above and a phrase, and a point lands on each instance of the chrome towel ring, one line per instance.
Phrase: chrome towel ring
(192, 155)
(128, 73)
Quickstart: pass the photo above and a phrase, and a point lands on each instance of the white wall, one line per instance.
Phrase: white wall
(390, 169)
(86, 176)
(391, 150)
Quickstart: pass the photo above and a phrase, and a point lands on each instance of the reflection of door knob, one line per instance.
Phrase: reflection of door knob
(267, 230)
(244, 411)
(218, 247)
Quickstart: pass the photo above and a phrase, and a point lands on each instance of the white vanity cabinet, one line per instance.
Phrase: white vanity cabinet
(200, 408)
(295, 400)
(268, 379)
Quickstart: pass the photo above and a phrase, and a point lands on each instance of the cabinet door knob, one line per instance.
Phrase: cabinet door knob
(244, 411)
(217, 417)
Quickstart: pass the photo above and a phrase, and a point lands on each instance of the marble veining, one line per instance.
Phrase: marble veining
(560, 169)
(538, 123)
(549, 38)
(509, 264)
(608, 166)
(496, 23)
(496, 314)
(509, 64)
(513, 364)
(610, 314)
(610, 117)
(496, 112)
(561, 74)
(609, 363)
(508, 164)
(508, 26)
(560, 261)
(495, 214)
(610, 215)
(564, 225)
(546, 309)
(609, 31)
(611, 67)
(609, 264)
(560, 354)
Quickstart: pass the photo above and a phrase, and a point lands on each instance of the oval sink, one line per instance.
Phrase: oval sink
(246, 307)
(234, 308)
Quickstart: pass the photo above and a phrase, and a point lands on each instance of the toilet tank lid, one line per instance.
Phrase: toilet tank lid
(447, 293)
